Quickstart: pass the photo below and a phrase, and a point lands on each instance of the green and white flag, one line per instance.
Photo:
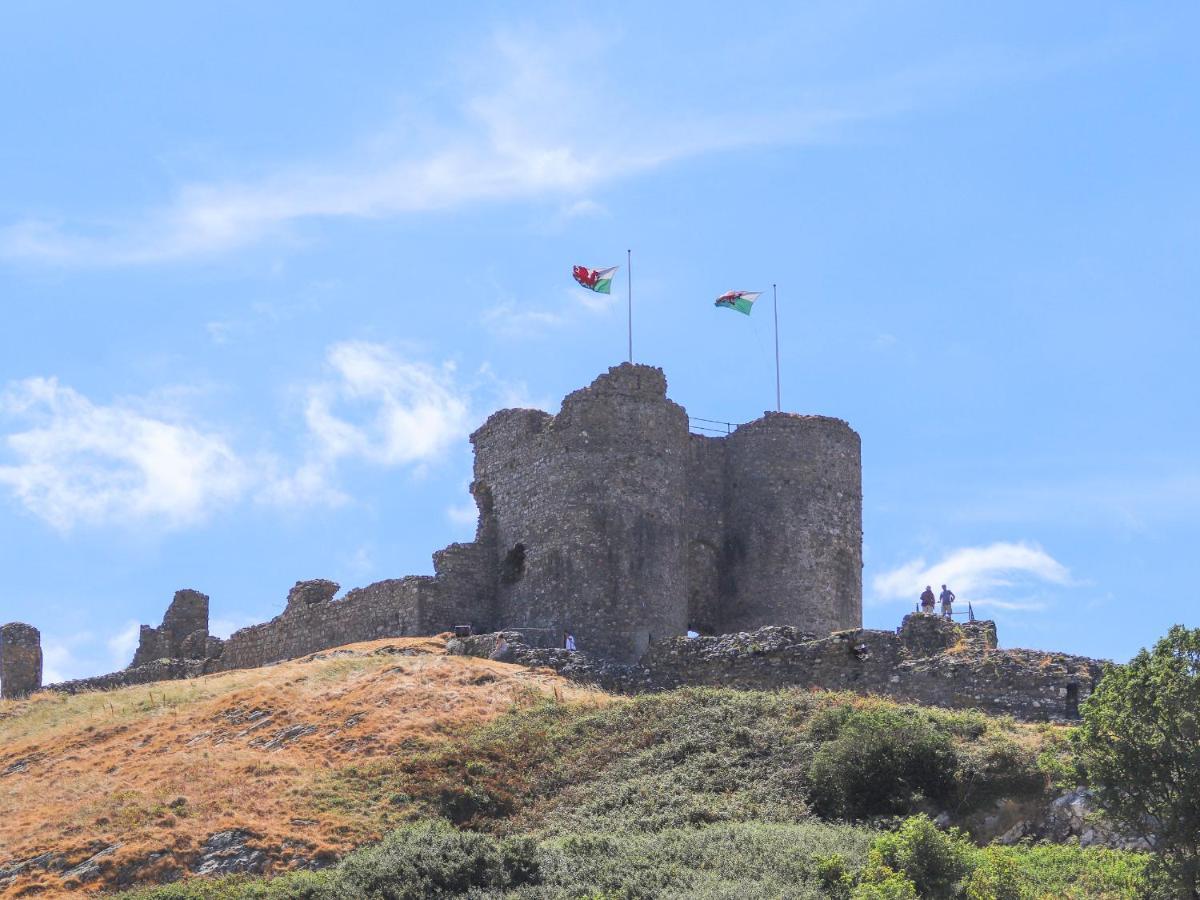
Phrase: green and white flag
(742, 301)
(598, 280)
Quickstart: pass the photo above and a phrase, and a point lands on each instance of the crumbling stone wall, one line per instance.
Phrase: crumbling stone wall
(20, 660)
(950, 665)
(928, 660)
(183, 633)
(146, 673)
(314, 621)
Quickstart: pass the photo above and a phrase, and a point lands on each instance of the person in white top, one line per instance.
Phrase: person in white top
(569, 643)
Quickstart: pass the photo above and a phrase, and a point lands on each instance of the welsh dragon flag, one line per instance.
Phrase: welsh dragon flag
(598, 280)
(742, 301)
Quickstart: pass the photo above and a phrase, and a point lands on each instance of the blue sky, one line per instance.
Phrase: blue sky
(264, 269)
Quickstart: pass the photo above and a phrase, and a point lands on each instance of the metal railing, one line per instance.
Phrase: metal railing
(710, 426)
(968, 613)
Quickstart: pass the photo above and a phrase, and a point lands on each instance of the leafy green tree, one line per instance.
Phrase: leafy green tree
(1140, 746)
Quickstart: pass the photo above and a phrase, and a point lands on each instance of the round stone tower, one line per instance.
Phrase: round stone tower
(20, 660)
(586, 509)
(792, 546)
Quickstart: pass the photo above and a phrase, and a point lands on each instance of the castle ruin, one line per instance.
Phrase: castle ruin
(613, 521)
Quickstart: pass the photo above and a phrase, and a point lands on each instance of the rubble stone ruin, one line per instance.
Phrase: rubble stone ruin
(613, 521)
(20, 660)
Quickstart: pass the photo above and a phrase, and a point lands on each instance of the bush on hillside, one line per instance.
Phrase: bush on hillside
(887, 885)
(998, 876)
(935, 861)
(879, 760)
(432, 859)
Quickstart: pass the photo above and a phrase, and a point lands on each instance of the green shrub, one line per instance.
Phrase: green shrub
(885, 885)
(998, 877)
(934, 860)
(432, 859)
(881, 760)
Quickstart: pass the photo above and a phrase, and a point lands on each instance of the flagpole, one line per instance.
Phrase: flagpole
(629, 282)
(778, 402)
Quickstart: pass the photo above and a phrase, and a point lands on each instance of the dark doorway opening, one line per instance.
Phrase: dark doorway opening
(1072, 701)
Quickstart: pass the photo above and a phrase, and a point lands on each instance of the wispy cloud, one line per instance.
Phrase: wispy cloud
(378, 407)
(1003, 575)
(122, 644)
(524, 129)
(75, 462)
(515, 319)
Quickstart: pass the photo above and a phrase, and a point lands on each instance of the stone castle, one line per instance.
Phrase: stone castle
(612, 521)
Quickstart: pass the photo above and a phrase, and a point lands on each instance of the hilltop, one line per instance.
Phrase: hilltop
(290, 767)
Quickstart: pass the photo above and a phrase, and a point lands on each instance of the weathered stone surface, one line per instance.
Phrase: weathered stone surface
(20, 660)
(228, 853)
(311, 593)
(611, 521)
(393, 608)
(182, 635)
(1074, 816)
(926, 635)
(1026, 684)
(156, 670)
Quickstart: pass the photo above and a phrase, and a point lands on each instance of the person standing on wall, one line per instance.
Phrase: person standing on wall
(927, 600)
(569, 642)
(947, 597)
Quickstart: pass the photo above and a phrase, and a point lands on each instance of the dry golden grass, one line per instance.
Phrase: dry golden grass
(158, 768)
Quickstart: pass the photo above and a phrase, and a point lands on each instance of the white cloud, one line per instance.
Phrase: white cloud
(376, 406)
(525, 129)
(122, 644)
(983, 576)
(58, 659)
(76, 462)
(509, 319)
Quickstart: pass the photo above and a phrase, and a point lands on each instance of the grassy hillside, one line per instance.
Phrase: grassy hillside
(492, 780)
(153, 770)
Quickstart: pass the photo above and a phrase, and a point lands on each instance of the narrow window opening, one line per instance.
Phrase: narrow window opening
(513, 567)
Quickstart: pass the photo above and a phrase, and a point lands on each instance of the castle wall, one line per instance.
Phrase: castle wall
(792, 551)
(931, 662)
(589, 510)
(20, 660)
(928, 661)
(704, 525)
(313, 622)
